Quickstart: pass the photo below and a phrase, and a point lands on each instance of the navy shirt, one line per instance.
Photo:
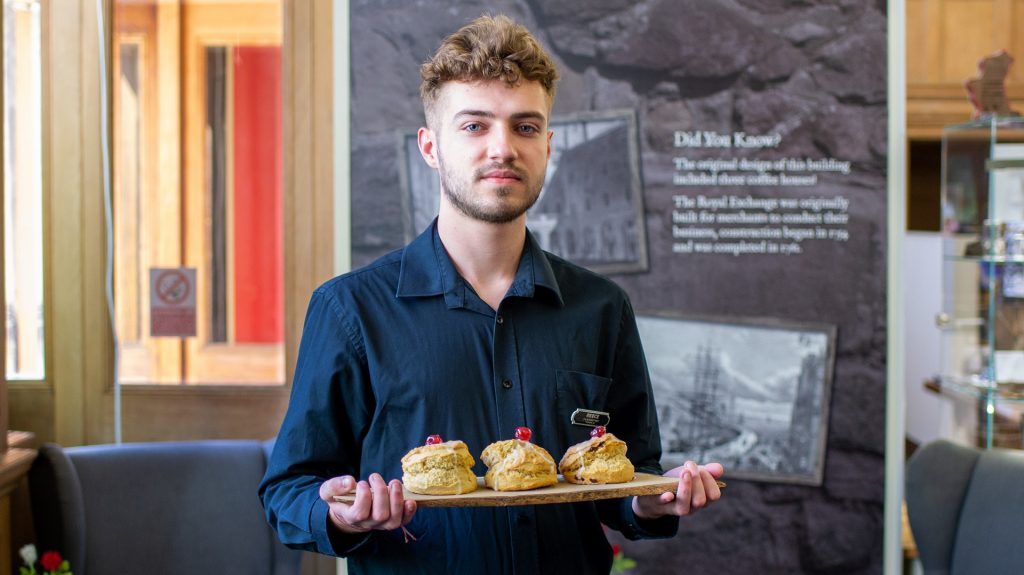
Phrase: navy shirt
(404, 348)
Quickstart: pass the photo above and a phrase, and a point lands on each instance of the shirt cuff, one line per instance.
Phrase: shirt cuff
(639, 528)
(329, 539)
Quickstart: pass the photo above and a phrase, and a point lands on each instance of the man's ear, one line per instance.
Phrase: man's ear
(551, 134)
(428, 146)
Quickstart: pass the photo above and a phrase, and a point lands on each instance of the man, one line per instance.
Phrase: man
(469, 332)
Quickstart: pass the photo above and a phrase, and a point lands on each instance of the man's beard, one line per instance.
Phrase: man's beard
(460, 194)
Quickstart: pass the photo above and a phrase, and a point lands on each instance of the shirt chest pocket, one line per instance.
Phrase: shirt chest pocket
(578, 390)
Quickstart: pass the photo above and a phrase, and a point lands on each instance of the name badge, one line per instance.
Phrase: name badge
(590, 418)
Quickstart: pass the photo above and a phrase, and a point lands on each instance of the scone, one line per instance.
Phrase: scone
(439, 468)
(600, 459)
(517, 464)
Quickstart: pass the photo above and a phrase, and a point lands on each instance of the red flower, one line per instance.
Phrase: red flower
(616, 549)
(51, 561)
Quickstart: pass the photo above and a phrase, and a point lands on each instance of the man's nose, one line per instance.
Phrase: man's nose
(500, 144)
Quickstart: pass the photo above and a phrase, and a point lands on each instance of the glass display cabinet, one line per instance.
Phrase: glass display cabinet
(982, 317)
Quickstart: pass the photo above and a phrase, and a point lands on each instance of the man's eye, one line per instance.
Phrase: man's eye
(527, 129)
(474, 127)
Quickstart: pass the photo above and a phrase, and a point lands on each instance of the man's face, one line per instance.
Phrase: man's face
(491, 144)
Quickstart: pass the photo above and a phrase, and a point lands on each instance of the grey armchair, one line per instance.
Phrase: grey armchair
(965, 507)
(157, 508)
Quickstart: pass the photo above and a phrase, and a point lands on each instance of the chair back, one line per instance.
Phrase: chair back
(966, 508)
(157, 508)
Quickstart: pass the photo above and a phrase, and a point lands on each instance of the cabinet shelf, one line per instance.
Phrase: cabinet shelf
(995, 259)
(1005, 164)
(978, 385)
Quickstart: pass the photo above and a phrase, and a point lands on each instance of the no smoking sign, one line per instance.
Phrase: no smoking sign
(172, 302)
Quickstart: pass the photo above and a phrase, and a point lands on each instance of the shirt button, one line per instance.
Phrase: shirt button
(506, 383)
(500, 319)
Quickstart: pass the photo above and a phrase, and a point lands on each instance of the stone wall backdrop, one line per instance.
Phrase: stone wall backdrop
(760, 130)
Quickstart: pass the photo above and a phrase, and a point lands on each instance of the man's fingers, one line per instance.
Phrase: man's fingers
(683, 494)
(336, 486)
(715, 469)
(375, 505)
(362, 505)
(697, 488)
(381, 505)
(699, 497)
(711, 489)
(350, 517)
(396, 505)
(410, 510)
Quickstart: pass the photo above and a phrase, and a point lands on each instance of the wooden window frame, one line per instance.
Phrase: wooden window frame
(158, 359)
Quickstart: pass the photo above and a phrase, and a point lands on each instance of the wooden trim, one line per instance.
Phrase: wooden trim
(97, 345)
(63, 178)
(323, 139)
(252, 412)
(5, 535)
(21, 439)
(80, 355)
(953, 91)
(14, 465)
(295, 134)
(308, 134)
(932, 106)
(208, 391)
(4, 417)
(32, 409)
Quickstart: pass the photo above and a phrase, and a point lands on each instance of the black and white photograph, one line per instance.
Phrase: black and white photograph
(590, 210)
(753, 395)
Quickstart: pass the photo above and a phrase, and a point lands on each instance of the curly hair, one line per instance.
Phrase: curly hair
(488, 48)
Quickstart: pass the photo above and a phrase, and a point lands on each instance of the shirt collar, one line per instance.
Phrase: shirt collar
(428, 271)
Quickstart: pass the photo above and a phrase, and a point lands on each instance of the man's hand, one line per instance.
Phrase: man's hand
(697, 488)
(377, 505)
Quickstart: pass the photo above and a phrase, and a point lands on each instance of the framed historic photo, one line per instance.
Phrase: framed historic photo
(750, 394)
(590, 210)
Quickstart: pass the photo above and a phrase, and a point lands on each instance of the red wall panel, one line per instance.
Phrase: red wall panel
(258, 195)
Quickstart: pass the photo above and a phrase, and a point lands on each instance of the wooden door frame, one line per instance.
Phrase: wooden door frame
(205, 25)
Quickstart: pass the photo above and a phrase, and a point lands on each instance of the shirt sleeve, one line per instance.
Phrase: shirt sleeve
(330, 407)
(635, 421)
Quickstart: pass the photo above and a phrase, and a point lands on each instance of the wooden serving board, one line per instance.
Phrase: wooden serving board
(563, 492)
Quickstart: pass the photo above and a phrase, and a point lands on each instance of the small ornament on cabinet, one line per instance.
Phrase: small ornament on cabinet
(987, 90)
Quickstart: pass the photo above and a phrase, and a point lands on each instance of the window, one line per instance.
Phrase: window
(172, 386)
(23, 212)
(198, 183)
